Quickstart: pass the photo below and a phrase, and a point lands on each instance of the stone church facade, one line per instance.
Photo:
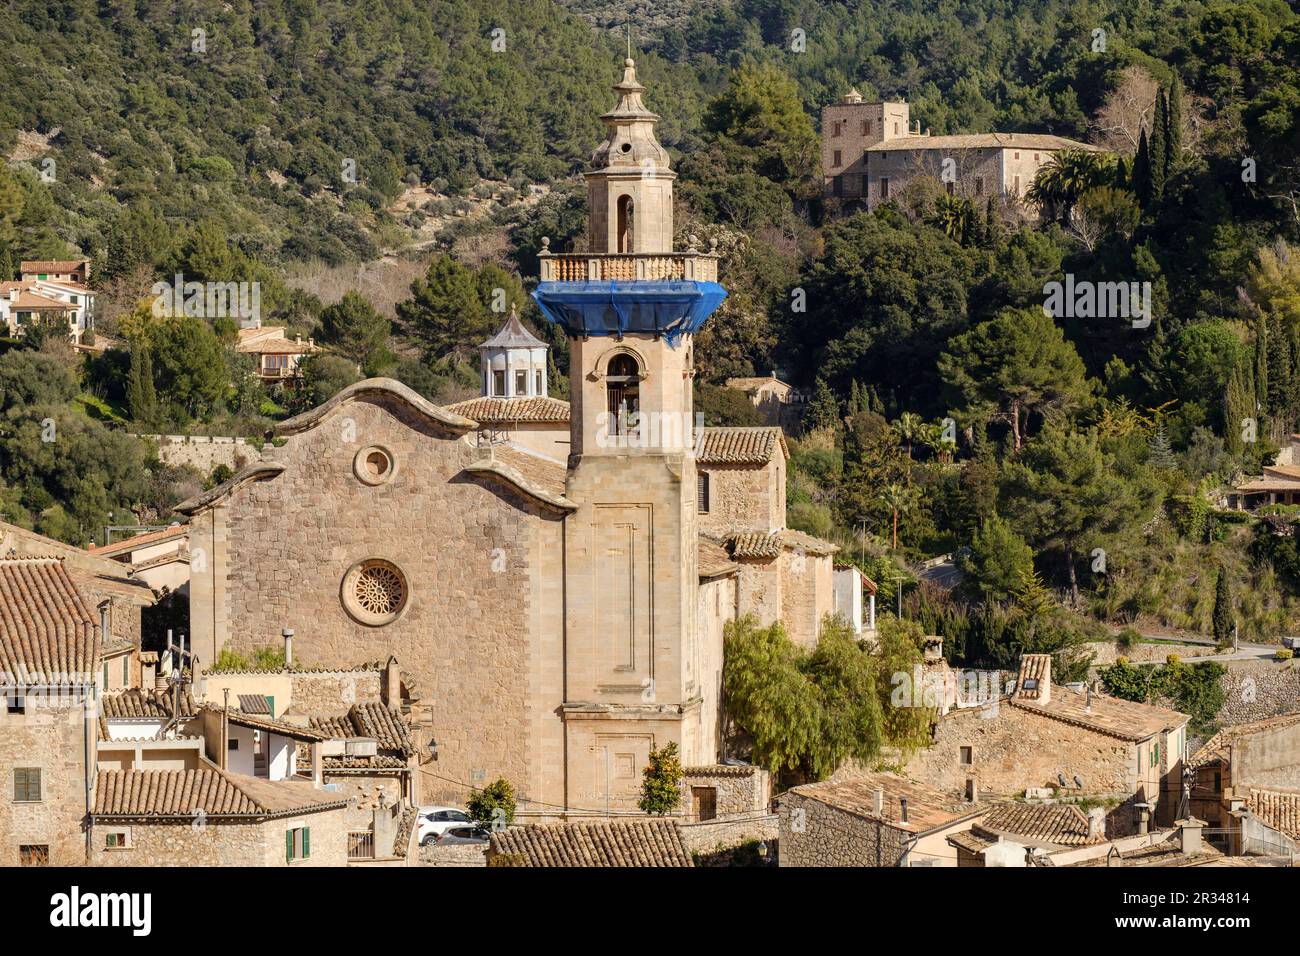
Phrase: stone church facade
(562, 616)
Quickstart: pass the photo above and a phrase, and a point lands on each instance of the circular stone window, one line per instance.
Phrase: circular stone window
(374, 465)
(375, 592)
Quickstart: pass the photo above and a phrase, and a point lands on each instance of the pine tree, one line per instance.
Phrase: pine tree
(1161, 450)
(1223, 615)
(1174, 132)
(141, 397)
(1142, 171)
(1159, 145)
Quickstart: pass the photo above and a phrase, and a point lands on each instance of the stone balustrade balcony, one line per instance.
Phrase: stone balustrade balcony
(691, 265)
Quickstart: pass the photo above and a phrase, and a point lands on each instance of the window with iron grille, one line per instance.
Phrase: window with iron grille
(34, 854)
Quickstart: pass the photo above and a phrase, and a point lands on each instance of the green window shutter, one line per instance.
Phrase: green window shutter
(306, 842)
(270, 703)
(288, 846)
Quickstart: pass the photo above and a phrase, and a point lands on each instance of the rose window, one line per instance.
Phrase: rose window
(375, 592)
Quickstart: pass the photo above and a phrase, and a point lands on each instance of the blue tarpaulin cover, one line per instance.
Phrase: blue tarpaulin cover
(670, 308)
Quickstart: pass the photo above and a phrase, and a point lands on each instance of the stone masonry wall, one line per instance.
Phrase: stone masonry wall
(1257, 689)
(205, 452)
(332, 692)
(1014, 749)
(742, 496)
(221, 843)
(50, 737)
(739, 789)
(824, 836)
(466, 548)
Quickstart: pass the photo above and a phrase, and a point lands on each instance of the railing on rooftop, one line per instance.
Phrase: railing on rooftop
(361, 845)
(691, 265)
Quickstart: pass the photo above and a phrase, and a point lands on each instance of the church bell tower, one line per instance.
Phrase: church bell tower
(630, 308)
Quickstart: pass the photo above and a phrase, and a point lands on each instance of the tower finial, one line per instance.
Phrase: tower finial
(629, 39)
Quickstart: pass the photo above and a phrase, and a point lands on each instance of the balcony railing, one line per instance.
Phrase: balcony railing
(361, 845)
(690, 265)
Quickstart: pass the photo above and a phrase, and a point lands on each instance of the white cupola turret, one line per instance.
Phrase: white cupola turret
(514, 362)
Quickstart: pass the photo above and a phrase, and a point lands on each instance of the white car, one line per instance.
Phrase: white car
(435, 821)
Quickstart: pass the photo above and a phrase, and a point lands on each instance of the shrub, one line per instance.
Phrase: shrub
(493, 807)
(661, 781)
(1284, 654)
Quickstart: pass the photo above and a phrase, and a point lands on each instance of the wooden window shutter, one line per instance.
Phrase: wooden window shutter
(288, 846)
(306, 842)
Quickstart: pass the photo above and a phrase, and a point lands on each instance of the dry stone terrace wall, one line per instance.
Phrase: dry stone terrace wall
(469, 553)
(1257, 689)
(204, 452)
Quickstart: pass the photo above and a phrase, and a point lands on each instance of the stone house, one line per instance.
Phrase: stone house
(871, 152)
(49, 654)
(561, 617)
(1008, 834)
(210, 817)
(780, 403)
(1045, 736)
(877, 819)
(1245, 782)
(49, 291)
(274, 356)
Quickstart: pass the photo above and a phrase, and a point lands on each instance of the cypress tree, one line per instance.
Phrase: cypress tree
(1121, 174)
(1174, 131)
(1159, 145)
(824, 410)
(1142, 171)
(1222, 608)
(6, 264)
(1261, 363)
(141, 398)
(992, 224)
(1279, 375)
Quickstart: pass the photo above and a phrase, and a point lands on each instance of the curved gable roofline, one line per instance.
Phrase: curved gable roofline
(370, 386)
(500, 471)
(255, 471)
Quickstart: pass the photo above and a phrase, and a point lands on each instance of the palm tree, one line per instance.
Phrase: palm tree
(909, 427)
(953, 215)
(1065, 177)
(896, 498)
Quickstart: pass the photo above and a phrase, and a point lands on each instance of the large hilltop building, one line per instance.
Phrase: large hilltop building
(554, 576)
(872, 151)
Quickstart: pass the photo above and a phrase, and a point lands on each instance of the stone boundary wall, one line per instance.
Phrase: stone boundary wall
(1258, 689)
(739, 789)
(714, 835)
(1107, 652)
(463, 855)
(205, 452)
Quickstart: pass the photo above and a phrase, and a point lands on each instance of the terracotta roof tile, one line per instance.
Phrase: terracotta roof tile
(46, 627)
(769, 544)
(488, 411)
(1125, 719)
(140, 540)
(217, 793)
(980, 141)
(138, 703)
(1061, 824)
(646, 843)
(742, 446)
(927, 808)
(51, 265)
(270, 725)
(1279, 809)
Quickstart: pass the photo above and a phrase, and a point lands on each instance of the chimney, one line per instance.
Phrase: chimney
(1189, 835)
(933, 648)
(878, 801)
(1035, 681)
(13, 295)
(1096, 824)
(1087, 707)
(392, 683)
(1144, 819)
(287, 634)
(902, 809)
